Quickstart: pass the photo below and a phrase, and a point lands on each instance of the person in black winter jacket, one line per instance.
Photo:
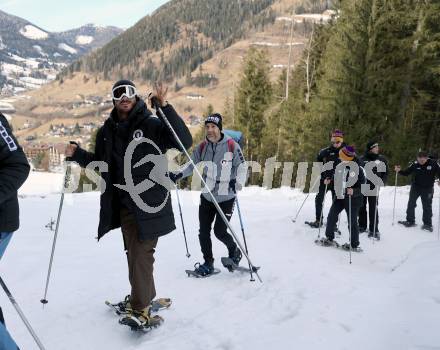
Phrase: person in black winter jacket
(372, 155)
(328, 154)
(424, 171)
(343, 193)
(14, 170)
(145, 216)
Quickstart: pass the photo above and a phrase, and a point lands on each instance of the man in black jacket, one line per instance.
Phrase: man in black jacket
(328, 154)
(143, 217)
(372, 155)
(342, 201)
(424, 171)
(14, 170)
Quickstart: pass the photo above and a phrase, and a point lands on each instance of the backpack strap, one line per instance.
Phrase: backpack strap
(202, 146)
(231, 145)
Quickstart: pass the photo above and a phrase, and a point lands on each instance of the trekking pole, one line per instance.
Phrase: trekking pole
(375, 214)
(438, 225)
(65, 184)
(322, 212)
(214, 201)
(21, 314)
(349, 222)
(305, 199)
(242, 231)
(395, 190)
(181, 219)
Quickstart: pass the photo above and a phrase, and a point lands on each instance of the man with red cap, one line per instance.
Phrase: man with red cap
(328, 154)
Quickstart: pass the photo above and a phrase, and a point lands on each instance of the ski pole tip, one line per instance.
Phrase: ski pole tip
(44, 301)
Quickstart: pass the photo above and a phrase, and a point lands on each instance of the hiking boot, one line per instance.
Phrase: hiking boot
(427, 228)
(205, 269)
(236, 256)
(407, 223)
(141, 319)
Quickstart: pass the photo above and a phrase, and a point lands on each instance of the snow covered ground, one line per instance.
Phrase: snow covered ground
(311, 298)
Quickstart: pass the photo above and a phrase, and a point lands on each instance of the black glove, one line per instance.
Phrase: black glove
(232, 184)
(175, 177)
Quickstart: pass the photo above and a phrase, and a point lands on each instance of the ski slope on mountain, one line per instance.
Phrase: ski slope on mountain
(310, 298)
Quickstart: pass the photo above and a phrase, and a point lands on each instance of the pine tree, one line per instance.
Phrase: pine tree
(253, 97)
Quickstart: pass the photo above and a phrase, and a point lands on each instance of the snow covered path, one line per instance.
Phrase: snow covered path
(311, 298)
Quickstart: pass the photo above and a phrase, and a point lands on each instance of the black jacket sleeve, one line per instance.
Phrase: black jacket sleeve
(321, 155)
(407, 171)
(179, 127)
(14, 167)
(84, 158)
(385, 174)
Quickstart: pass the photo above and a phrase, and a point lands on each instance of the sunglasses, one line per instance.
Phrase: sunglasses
(124, 90)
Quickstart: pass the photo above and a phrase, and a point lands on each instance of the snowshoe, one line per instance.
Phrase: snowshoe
(141, 320)
(326, 242)
(202, 270)
(346, 246)
(124, 307)
(160, 304)
(407, 223)
(229, 264)
(314, 224)
(121, 308)
(427, 228)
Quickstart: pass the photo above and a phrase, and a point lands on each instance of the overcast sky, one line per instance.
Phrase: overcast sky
(59, 15)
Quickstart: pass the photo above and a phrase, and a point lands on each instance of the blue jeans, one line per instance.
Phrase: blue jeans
(6, 342)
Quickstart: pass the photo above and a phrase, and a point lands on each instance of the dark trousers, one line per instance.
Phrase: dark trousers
(371, 201)
(207, 214)
(319, 199)
(336, 208)
(425, 195)
(140, 256)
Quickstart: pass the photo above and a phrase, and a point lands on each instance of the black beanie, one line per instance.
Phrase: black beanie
(216, 119)
(123, 82)
(423, 154)
(371, 145)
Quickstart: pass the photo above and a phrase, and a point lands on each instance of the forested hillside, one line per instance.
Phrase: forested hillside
(182, 34)
(372, 72)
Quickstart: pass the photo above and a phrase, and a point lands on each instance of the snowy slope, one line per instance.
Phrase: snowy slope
(311, 298)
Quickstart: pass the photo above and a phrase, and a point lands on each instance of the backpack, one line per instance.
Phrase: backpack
(234, 135)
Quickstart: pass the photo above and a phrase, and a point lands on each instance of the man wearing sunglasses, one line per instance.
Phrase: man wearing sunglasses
(131, 120)
(328, 154)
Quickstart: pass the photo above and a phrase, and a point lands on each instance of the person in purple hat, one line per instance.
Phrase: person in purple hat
(351, 200)
(328, 154)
